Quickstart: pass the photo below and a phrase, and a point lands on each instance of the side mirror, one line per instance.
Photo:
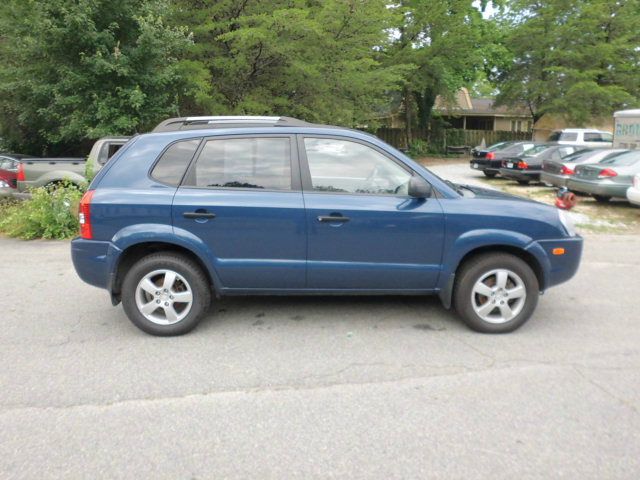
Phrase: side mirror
(419, 187)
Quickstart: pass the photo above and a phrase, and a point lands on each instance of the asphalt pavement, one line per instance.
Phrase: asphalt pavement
(391, 387)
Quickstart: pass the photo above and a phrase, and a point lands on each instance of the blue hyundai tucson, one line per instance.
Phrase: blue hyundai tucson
(213, 206)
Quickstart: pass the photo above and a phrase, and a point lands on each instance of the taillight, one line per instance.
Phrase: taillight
(566, 170)
(607, 173)
(523, 165)
(491, 156)
(20, 175)
(84, 215)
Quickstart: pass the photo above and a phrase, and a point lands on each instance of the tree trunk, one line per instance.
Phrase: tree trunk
(425, 101)
(407, 116)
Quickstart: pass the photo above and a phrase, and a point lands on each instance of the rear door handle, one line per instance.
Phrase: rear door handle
(199, 215)
(332, 218)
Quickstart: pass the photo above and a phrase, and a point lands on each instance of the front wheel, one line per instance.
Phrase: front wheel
(495, 293)
(523, 182)
(165, 294)
(489, 174)
(601, 198)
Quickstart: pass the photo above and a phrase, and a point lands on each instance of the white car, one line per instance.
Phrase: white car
(633, 192)
(582, 136)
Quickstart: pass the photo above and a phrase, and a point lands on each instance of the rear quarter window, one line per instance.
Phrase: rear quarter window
(174, 161)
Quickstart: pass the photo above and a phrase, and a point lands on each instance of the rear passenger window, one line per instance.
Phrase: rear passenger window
(244, 163)
(174, 161)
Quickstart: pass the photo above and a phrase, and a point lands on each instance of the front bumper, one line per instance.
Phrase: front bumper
(604, 188)
(554, 179)
(94, 261)
(633, 195)
(558, 268)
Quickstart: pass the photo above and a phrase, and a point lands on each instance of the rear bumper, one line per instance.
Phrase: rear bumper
(554, 179)
(483, 165)
(604, 188)
(519, 174)
(560, 268)
(94, 261)
(633, 195)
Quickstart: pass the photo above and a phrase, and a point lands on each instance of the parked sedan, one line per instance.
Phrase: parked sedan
(492, 161)
(607, 179)
(633, 192)
(557, 173)
(527, 167)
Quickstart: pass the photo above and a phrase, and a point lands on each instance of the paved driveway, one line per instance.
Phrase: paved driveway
(319, 387)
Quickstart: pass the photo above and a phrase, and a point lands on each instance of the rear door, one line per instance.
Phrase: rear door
(365, 232)
(242, 196)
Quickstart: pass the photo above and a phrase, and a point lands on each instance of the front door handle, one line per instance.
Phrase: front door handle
(199, 215)
(332, 218)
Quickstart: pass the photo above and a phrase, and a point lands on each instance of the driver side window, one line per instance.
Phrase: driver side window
(342, 166)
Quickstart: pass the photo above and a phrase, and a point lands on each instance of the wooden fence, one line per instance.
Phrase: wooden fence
(451, 137)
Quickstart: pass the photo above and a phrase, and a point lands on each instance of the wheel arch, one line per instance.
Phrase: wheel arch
(469, 246)
(134, 252)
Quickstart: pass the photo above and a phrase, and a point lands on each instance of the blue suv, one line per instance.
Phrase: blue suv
(212, 206)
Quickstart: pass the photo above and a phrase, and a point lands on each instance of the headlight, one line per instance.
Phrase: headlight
(567, 223)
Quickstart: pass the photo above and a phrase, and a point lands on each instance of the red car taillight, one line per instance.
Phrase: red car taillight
(491, 156)
(566, 170)
(523, 165)
(20, 175)
(84, 215)
(607, 173)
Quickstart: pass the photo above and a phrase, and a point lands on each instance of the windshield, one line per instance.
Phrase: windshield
(625, 159)
(580, 155)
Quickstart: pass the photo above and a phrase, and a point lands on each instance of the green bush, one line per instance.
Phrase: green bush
(418, 148)
(50, 213)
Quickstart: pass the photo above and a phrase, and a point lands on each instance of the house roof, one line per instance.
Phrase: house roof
(465, 104)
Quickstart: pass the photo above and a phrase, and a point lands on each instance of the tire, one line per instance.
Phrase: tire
(523, 182)
(171, 316)
(489, 174)
(601, 198)
(466, 299)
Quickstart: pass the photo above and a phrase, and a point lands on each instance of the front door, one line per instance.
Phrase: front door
(242, 197)
(365, 232)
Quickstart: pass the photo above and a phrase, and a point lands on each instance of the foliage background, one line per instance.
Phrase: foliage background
(72, 71)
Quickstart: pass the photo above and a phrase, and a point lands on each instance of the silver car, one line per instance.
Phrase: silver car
(557, 172)
(607, 179)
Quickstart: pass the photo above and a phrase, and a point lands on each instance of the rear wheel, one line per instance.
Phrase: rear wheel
(495, 293)
(165, 294)
(601, 198)
(523, 182)
(489, 174)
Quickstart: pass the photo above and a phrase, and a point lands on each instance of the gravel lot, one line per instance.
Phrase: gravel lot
(319, 387)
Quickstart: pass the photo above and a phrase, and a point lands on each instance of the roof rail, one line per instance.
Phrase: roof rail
(228, 121)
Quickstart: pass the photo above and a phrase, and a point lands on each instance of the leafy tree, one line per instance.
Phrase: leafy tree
(444, 40)
(317, 60)
(74, 70)
(579, 58)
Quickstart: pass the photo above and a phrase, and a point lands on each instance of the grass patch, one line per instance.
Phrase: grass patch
(49, 214)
